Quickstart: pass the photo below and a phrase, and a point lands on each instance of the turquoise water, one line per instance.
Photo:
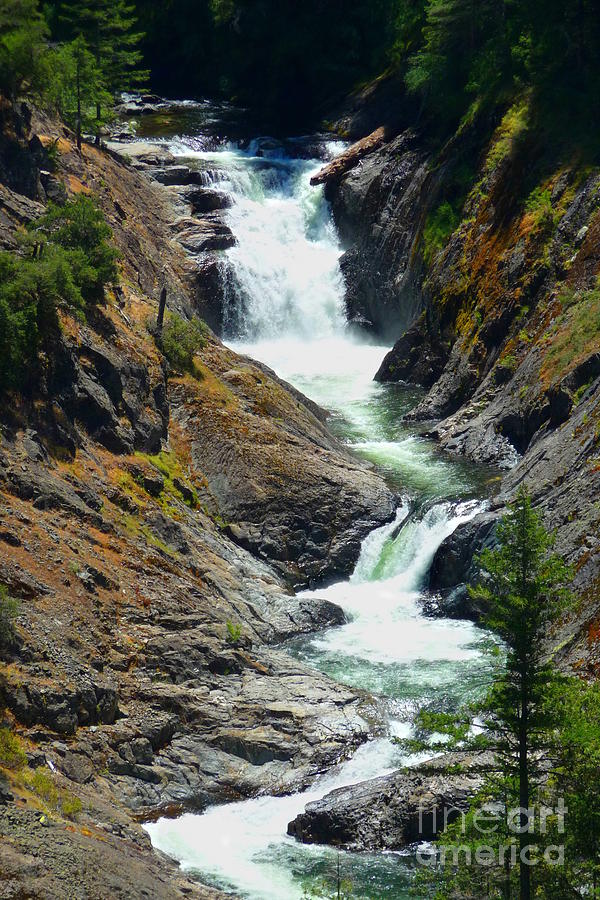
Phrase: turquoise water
(285, 308)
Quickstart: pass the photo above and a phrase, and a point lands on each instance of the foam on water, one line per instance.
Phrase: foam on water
(285, 307)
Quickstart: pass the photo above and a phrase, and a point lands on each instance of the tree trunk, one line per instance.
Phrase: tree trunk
(524, 836)
(79, 106)
(161, 310)
(98, 115)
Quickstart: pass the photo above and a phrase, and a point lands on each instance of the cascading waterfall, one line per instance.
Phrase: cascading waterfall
(285, 307)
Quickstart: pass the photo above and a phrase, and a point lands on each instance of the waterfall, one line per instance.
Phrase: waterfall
(285, 307)
(243, 845)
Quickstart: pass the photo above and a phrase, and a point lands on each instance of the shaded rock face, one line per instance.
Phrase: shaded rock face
(390, 812)
(453, 568)
(21, 155)
(418, 357)
(310, 526)
(377, 207)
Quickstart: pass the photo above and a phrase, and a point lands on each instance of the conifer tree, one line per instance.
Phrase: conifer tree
(23, 34)
(108, 29)
(522, 591)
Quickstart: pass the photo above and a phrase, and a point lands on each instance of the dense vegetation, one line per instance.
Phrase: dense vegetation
(295, 57)
(73, 58)
(66, 259)
(454, 57)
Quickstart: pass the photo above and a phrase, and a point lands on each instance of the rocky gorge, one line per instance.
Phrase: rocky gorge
(150, 539)
(155, 527)
(497, 319)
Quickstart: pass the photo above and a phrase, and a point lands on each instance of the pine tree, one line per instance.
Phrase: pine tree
(108, 28)
(75, 86)
(522, 591)
(23, 34)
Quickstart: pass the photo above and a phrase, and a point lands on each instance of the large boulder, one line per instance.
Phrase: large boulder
(390, 812)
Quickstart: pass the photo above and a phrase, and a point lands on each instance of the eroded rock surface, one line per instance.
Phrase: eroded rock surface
(390, 812)
(151, 526)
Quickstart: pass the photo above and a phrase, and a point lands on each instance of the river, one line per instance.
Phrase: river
(285, 308)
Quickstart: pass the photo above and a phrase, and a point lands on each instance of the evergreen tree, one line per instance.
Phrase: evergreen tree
(75, 86)
(108, 29)
(23, 34)
(522, 590)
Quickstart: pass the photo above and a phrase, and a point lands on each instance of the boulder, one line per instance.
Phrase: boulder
(390, 812)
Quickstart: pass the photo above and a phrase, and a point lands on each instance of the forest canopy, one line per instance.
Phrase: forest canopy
(293, 61)
(293, 57)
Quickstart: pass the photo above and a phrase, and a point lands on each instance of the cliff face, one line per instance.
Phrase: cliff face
(377, 205)
(499, 306)
(151, 527)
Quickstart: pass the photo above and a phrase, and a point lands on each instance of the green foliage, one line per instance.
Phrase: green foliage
(106, 30)
(234, 633)
(522, 592)
(67, 260)
(438, 228)
(76, 86)
(41, 782)
(109, 28)
(23, 34)
(577, 766)
(12, 754)
(9, 610)
(81, 230)
(490, 50)
(181, 340)
(576, 333)
(539, 206)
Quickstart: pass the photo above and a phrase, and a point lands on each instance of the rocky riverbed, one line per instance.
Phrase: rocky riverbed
(485, 326)
(152, 528)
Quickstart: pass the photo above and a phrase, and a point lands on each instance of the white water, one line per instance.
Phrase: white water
(286, 309)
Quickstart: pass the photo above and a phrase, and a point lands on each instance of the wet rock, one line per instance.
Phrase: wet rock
(177, 175)
(203, 200)
(387, 813)
(374, 208)
(453, 568)
(417, 357)
(207, 277)
(201, 235)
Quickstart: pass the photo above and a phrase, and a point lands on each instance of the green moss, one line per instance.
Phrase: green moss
(439, 226)
(177, 485)
(577, 333)
(511, 129)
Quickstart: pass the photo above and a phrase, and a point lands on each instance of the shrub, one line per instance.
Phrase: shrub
(65, 259)
(41, 782)
(539, 206)
(12, 755)
(9, 608)
(81, 230)
(181, 340)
